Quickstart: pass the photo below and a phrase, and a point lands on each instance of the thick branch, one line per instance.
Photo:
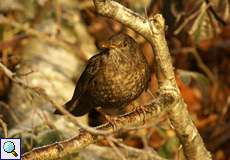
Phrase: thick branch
(61, 149)
(190, 138)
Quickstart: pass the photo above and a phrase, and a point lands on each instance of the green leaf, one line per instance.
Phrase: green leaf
(186, 77)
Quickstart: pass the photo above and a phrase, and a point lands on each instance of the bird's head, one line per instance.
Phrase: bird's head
(120, 41)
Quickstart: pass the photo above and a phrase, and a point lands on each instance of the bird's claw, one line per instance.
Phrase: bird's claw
(142, 110)
(112, 120)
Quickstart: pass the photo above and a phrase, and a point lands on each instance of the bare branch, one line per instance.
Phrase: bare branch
(140, 151)
(61, 149)
(118, 152)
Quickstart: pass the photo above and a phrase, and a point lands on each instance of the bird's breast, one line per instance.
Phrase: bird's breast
(118, 84)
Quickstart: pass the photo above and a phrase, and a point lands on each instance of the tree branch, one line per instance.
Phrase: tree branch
(61, 149)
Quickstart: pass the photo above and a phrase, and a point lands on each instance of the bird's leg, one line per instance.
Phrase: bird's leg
(139, 109)
(112, 119)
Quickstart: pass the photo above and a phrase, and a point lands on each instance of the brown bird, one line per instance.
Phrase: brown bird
(112, 79)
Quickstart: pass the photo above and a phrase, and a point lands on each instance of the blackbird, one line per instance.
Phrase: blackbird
(112, 79)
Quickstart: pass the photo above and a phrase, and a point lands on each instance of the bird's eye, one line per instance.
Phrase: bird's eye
(125, 44)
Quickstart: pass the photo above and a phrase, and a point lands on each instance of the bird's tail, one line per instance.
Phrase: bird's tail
(69, 106)
(76, 107)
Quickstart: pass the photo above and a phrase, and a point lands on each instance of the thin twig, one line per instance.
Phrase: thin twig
(45, 118)
(203, 67)
(119, 153)
(33, 32)
(151, 154)
(11, 112)
(13, 41)
(199, 62)
(188, 19)
(218, 18)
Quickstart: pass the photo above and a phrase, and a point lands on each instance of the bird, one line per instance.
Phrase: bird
(112, 79)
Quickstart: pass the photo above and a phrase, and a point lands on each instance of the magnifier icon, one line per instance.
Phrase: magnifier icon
(9, 147)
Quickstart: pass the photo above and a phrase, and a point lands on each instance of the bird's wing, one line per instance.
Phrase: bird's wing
(92, 68)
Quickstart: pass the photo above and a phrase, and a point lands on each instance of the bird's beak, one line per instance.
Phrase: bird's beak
(108, 45)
